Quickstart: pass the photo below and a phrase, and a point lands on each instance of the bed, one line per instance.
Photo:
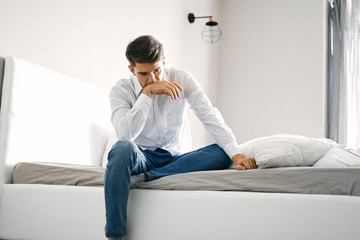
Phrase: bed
(61, 197)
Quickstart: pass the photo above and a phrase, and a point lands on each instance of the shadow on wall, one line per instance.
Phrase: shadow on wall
(2, 64)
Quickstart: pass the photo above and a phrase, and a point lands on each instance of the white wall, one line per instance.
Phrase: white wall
(87, 38)
(268, 78)
(272, 67)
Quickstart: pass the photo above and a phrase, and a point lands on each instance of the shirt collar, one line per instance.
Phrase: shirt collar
(166, 77)
(137, 85)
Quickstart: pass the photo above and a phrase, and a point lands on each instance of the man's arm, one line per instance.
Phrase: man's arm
(172, 89)
(210, 116)
(129, 120)
(128, 114)
(215, 124)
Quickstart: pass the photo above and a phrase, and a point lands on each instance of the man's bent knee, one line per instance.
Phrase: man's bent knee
(125, 146)
(122, 152)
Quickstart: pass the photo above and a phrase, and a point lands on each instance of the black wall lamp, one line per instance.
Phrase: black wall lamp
(211, 32)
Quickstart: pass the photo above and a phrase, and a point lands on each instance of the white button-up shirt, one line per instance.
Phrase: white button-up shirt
(161, 122)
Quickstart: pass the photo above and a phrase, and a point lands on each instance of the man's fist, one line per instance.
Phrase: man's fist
(242, 163)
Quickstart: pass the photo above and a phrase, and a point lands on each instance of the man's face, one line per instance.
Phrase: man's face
(148, 73)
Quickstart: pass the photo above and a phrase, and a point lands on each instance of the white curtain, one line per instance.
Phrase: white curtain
(343, 72)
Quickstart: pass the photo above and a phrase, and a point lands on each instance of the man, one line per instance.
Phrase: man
(149, 116)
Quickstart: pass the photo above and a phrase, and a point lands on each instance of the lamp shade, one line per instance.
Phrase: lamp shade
(211, 34)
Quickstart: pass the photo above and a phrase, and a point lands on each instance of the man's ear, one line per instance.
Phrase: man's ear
(164, 61)
(132, 70)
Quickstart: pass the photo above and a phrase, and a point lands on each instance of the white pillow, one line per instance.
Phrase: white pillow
(111, 141)
(339, 157)
(286, 150)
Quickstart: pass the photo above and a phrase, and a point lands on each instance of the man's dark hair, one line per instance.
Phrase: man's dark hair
(144, 49)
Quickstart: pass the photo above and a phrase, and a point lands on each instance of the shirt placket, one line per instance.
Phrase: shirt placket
(159, 122)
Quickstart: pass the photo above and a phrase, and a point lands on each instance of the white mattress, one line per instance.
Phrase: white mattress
(61, 211)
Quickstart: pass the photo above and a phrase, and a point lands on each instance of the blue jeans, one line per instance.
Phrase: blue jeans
(126, 159)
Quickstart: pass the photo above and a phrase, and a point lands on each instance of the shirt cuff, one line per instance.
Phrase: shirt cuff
(231, 149)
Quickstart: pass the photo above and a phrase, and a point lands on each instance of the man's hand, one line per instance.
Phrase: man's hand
(242, 163)
(171, 89)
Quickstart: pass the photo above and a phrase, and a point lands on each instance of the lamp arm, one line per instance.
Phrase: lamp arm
(191, 17)
(204, 17)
